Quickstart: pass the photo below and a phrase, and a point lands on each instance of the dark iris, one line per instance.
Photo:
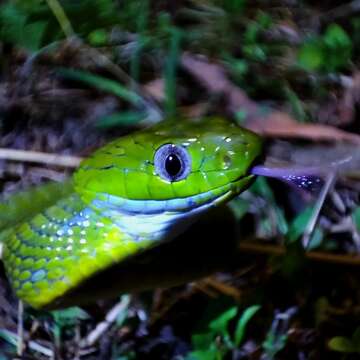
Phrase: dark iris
(172, 162)
(172, 165)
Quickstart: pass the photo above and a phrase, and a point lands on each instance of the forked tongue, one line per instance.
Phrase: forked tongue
(308, 169)
(308, 179)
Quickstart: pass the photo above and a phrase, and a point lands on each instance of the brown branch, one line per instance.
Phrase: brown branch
(40, 157)
(316, 256)
(342, 12)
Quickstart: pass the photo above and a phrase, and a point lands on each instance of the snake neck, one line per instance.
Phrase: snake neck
(61, 247)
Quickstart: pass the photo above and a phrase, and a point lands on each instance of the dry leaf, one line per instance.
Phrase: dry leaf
(279, 124)
(213, 77)
(350, 99)
(156, 89)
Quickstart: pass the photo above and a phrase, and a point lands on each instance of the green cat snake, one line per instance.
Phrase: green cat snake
(128, 196)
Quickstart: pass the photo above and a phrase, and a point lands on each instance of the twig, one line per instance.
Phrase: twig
(222, 287)
(318, 206)
(276, 337)
(341, 12)
(40, 157)
(316, 256)
(32, 344)
(103, 326)
(200, 285)
(20, 328)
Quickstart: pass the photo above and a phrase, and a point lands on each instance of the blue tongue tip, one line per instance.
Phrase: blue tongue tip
(307, 179)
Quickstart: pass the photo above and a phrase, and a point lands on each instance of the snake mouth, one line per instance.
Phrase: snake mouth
(107, 202)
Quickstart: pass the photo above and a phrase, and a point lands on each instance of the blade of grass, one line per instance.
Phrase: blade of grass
(101, 83)
(243, 321)
(61, 17)
(170, 72)
(126, 118)
(141, 24)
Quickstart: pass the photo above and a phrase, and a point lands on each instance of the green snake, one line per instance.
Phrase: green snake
(128, 196)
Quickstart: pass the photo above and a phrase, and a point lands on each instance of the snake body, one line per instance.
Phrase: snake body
(128, 196)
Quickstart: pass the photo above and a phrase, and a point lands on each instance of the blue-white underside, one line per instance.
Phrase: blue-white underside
(157, 219)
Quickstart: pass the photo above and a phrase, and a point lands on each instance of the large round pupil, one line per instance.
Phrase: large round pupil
(172, 165)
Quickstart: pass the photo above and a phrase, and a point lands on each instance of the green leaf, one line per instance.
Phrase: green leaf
(251, 33)
(342, 344)
(338, 48)
(311, 55)
(66, 318)
(202, 341)
(328, 53)
(33, 34)
(209, 354)
(264, 19)
(220, 324)
(69, 316)
(16, 28)
(316, 239)
(273, 344)
(299, 224)
(255, 52)
(9, 337)
(356, 217)
(335, 37)
(243, 321)
(123, 315)
(262, 188)
(98, 37)
(239, 207)
(297, 107)
(233, 6)
(101, 83)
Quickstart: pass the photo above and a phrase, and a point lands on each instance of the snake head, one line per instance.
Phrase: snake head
(129, 195)
(176, 166)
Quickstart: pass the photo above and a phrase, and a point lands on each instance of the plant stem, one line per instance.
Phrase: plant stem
(61, 17)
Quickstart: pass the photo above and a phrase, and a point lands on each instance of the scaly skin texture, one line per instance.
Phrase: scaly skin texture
(121, 206)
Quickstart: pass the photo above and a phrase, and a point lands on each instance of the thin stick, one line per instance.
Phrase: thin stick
(341, 12)
(20, 328)
(103, 326)
(40, 157)
(316, 256)
(222, 287)
(318, 206)
(32, 344)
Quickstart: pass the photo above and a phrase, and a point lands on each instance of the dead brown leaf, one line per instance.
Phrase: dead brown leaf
(212, 76)
(349, 100)
(156, 89)
(279, 124)
(194, 111)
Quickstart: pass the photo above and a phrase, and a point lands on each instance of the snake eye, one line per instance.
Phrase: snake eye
(172, 162)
